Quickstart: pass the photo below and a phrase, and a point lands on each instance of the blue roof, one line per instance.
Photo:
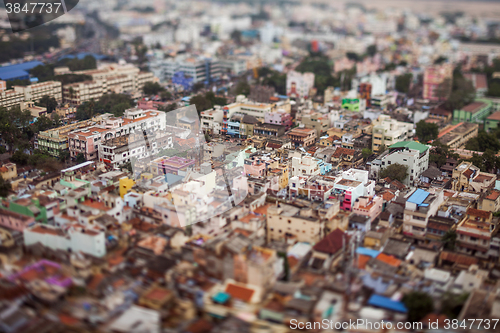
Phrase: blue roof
(14, 74)
(221, 297)
(83, 55)
(418, 196)
(186, 98)
(387, 303)
(26, 66)
(172, 179)
(367, 252)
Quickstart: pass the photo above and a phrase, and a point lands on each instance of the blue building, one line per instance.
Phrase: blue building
(18, 71)
(180, 79)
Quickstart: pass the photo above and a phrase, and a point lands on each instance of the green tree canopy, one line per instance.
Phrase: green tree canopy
(366, 152)
(403, 82)
(152, 88)
(449, 239)
(483, 141)
(426, 131)
(419, 304)
(395, 171)
(5, 187)
(48, 102)
(80, 158)
(242, 88)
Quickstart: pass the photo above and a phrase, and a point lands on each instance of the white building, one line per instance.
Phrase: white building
(73, 237)
(199, 68)
(410, 153)
(299, 84)
(306, 165)
(420, 205)
(211, 120)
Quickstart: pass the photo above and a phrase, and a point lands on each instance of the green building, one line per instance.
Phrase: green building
(491, 123)
(475, 112)
(354, 104)
(29, 207)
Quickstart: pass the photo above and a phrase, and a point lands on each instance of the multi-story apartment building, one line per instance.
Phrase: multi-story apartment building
(365, 92)
(302, 137)
(388, 131)
(55, 141)
(87, 140)
(293, 224)
(434, 76)
(112, 79)
(33, 93)
(309, 165)
(490, 202)
(315, 188)
(200, 69)
(122, 149)
(419, 207)
(414, 155)
(474, 233)
(81, 92)
(299, 85)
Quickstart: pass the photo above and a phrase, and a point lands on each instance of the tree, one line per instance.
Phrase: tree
(403, 82)
(15, 128)
(165, 95)
(482, 142)
(371, 50)
(353, 56)
(439, 153)
(43, 123)
(419, 304)
(443, 90)
(494, 89)
(5, 187)
(201, 103)
(452, 304)
(242, 88)
(118, 109)
(440, 60)
(395, 171)
(449, 239)
(80, 158)
(236, 36)
(366, 152)
(152, 88)
(426, 131)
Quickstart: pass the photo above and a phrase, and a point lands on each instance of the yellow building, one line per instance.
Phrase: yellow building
(8, 171)
(125, 185)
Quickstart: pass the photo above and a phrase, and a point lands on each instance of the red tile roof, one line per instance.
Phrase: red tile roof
(479, 213)
(239, 292)
(332, 242)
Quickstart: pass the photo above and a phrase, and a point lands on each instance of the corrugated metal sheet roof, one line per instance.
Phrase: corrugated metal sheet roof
(13, 74)
(418, 196)
(387, 303)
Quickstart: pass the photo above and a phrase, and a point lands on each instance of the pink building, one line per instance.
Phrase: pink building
(433, 77)
(254, 168)
(15, 221)
(279, 117)
(368, 206)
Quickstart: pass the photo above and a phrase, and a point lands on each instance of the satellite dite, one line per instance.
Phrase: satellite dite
(192, 180)
(26, 14)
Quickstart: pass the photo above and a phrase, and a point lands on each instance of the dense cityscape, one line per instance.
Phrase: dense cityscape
(251, 166)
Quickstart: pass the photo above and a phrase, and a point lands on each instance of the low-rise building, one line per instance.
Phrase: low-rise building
(55, 141)
(456, 136)
(292, 224)
(302, 137)
(73, 237)
(468, 177)
(388, 131)
(370, 207)
(475, 112)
